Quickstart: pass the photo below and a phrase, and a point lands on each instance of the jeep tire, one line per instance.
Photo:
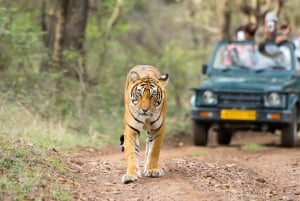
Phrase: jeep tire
(289, 132)
(200, 133)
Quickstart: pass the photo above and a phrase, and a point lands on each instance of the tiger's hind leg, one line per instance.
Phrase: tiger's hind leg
(153, 146)
(131, 146)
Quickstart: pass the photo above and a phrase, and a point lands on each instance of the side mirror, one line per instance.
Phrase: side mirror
(204, 68)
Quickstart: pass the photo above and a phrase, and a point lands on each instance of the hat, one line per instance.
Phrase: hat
(271, 16)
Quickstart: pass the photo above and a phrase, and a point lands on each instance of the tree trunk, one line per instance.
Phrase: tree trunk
(226, 20)
(112, 21)
(64, 23)
(192, 9)
(57, 54)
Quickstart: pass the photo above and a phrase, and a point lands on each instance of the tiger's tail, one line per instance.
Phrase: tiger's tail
(122, 142)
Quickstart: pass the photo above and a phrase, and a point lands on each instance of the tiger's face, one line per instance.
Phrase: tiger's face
(147, 94)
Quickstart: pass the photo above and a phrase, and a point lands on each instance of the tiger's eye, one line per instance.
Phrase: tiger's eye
(154, 92)
(138, 92)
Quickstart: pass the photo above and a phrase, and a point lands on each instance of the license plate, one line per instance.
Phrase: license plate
(238, 114)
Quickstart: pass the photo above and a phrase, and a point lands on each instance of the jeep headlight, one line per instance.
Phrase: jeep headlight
(209, 97)
(273, 99)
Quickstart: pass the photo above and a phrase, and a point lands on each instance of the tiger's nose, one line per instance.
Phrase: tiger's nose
(145, 110)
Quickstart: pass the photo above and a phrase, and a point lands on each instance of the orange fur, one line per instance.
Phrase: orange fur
(145, 102)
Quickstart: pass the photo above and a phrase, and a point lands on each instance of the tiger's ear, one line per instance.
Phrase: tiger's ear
(164, 79)
(133, 76)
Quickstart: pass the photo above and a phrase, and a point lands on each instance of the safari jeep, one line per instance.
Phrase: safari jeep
(248, 87)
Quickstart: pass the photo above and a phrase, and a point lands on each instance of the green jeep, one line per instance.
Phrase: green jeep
(248, 87)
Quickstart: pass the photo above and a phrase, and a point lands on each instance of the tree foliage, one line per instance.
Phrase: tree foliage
(109, 38)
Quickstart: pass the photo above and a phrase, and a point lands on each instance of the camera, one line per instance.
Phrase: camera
(271, 26)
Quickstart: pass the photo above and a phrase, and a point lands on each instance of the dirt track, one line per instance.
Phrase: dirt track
(195, 173)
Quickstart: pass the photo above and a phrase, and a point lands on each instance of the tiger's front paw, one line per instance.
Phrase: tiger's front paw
(127, 178)
(154, 173)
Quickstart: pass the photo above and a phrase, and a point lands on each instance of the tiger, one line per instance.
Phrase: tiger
(145, 103)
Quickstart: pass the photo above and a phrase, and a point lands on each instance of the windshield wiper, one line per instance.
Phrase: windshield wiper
(227, 68)
(242, 66)
(260, 70)
(278, 67)
(270, 67)
(234, 67)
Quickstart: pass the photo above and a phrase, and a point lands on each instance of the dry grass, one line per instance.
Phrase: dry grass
(17, 122)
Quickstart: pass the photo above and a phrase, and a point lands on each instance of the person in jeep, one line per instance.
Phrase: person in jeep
(245, 32)
(236, 53)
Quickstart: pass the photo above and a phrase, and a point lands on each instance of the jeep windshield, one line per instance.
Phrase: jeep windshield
(248, 56)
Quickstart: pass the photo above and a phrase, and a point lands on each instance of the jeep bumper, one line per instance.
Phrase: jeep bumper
(213, 115)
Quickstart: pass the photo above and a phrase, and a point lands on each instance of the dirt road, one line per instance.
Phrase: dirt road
(195, 173)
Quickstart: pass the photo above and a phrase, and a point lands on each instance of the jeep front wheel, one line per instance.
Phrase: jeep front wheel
(289, 132)
(200, 134)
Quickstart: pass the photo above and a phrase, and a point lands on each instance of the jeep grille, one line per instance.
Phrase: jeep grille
(240, 100)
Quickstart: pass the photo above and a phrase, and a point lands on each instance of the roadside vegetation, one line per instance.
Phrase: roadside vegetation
(253, 147)
(30, 172)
